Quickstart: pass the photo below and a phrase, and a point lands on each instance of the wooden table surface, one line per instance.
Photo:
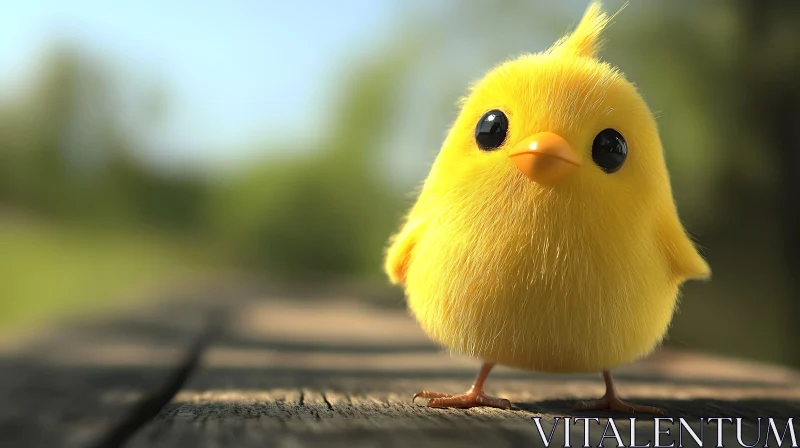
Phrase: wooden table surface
(269, 369)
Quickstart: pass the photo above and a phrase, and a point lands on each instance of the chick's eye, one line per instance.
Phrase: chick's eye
(491, 130)
(609, 150)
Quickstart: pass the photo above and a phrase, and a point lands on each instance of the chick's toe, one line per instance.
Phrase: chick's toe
(463, 401)
(426, 394)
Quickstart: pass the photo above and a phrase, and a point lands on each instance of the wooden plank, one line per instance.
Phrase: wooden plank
(94, 383)
(340, 373)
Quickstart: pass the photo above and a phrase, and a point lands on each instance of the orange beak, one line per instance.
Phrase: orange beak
(545, 157)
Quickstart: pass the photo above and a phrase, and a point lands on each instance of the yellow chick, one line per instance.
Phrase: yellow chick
(546, 236)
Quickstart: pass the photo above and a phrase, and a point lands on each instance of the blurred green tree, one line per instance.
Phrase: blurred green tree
(328, 212)
(69, 152)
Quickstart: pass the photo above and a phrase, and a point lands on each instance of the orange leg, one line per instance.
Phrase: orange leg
(612, 402)
(473, 398)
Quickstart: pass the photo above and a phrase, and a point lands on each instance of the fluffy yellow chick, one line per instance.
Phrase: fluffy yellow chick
(546, 236)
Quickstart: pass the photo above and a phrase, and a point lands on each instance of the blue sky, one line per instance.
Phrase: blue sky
(232, 67)
(238, 73)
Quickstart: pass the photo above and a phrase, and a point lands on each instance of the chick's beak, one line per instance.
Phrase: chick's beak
(545, 157)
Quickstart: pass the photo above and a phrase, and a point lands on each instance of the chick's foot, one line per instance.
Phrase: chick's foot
(473, 398)
(612, 402)
(467, 400)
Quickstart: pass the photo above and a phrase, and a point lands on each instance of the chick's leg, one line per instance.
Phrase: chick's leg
(473, 398)
(612, 402)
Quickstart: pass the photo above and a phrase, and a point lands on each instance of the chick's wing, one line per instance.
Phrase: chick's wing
(685, 262)
(400, 250)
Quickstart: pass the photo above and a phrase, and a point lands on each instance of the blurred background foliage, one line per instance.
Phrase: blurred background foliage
(87, 215)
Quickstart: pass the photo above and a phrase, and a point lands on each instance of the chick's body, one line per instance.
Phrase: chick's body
(577, 275)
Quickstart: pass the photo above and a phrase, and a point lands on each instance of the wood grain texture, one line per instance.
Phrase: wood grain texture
(340, 373)
(80, 385)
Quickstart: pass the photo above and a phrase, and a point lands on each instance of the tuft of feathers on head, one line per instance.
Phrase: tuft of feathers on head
(586, 39)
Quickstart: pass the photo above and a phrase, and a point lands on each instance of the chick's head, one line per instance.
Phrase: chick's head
(560, 123)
